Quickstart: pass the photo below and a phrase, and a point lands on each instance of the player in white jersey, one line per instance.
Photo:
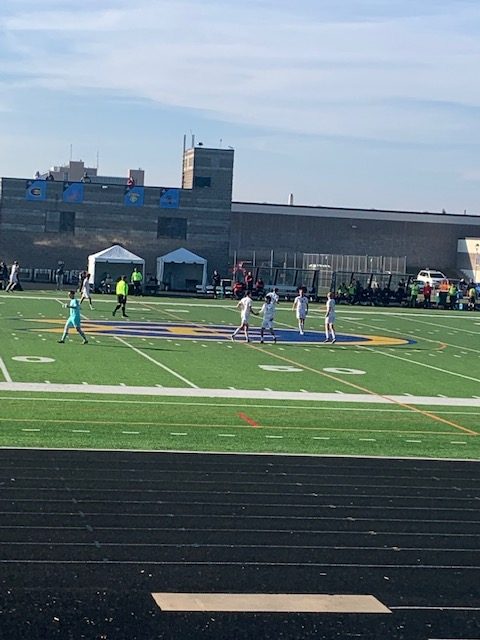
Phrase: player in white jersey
(85, 289)
(330, 318)
(300, 306)
(13, 280)
(245, 306)
(268, 313)
(274, 296)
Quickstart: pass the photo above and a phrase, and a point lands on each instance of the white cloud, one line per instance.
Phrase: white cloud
(379, 74)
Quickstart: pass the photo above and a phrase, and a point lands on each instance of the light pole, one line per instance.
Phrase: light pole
(477, 246)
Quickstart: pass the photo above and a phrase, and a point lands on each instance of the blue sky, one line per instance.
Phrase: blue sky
(355, 103)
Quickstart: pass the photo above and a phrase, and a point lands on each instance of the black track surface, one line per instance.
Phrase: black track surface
(86, 537)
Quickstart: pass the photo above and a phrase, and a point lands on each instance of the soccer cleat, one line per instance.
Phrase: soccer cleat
(261, 341)
(232, 338)
(113, 313)
(125, 315)
(61, 341)
(85, 341)
(334, 340)
(274, 341)
(326, 340)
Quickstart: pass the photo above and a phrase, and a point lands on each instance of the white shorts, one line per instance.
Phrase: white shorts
(330, 319)
(245, 318)
(267, 324)
(301, 315)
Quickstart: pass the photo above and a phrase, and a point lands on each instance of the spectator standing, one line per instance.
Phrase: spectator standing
(216, 279)
(249, 282)
(136, 279)
(427, 295)
(472, 297)
(259, 287)
(4, 275)
(453, 294)
(59, 275)
(414, 291)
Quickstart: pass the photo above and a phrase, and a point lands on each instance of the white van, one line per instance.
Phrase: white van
(433, 277)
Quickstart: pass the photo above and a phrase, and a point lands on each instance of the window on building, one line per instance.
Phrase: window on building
(202, 181)
(52, 221)
(60, 222)
(172, 228)
(67, 222)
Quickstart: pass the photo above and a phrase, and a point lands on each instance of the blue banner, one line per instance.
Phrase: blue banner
(169, 198)
(134, 196)
(36, 190)
(73, 191)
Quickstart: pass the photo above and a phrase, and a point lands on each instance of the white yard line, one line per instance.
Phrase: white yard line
(252, 394)
(4, 370)
(159, 364)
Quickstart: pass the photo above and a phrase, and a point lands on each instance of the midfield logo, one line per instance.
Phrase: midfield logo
(191, 331)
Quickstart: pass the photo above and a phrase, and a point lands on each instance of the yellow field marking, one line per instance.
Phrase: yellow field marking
(426, 414)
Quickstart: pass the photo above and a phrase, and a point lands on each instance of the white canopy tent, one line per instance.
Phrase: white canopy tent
(115, 261)
(182, 270)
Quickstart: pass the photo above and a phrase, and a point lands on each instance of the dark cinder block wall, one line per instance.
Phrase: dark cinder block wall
(207, 222)
(40, 233)
(425, 239)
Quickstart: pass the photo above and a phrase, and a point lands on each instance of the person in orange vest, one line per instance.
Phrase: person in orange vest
(443, 294)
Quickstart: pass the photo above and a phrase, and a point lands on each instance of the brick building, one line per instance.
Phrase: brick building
(79, 213)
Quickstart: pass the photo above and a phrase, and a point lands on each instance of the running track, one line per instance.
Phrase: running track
(87, 537)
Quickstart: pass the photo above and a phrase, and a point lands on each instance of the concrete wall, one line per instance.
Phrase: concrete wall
(102, 220)
(425, 239)
(216, 228)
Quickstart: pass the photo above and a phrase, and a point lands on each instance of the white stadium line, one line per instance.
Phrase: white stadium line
(4, 370)
(253, 394)
(159, 364)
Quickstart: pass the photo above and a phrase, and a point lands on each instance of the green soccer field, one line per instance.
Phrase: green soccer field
(398, 382)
